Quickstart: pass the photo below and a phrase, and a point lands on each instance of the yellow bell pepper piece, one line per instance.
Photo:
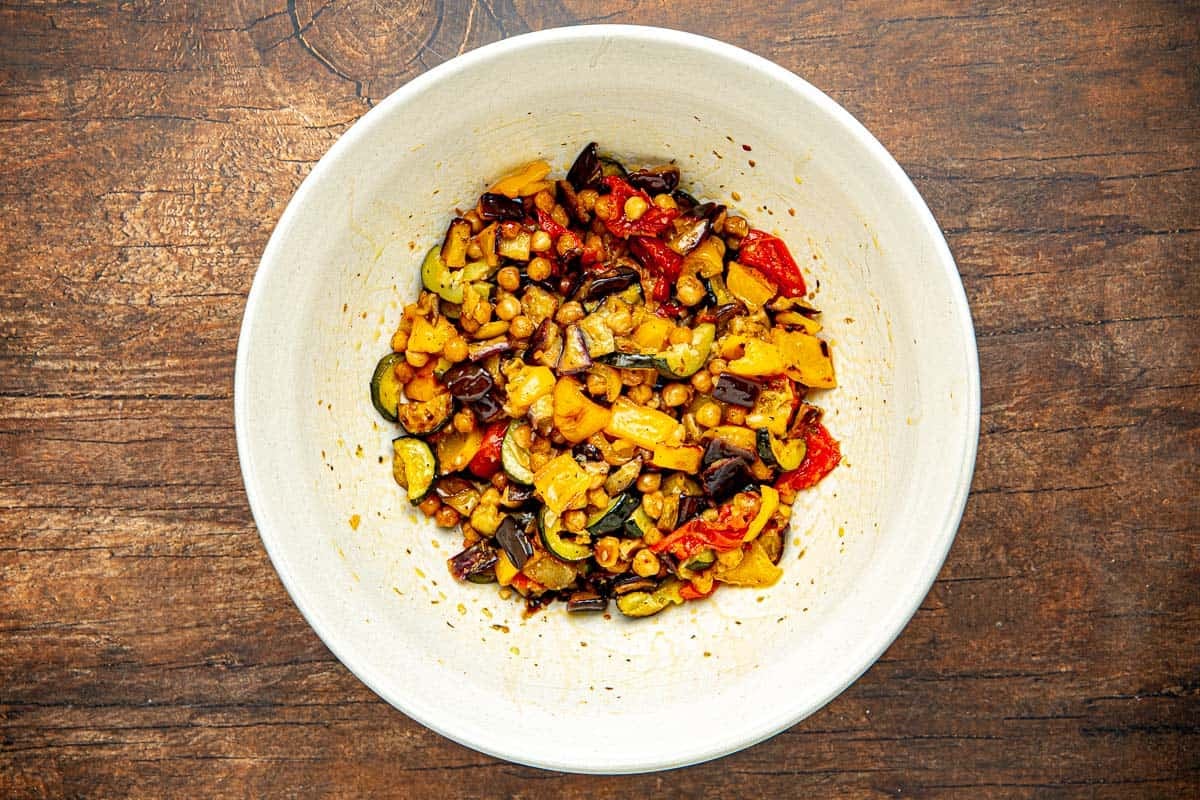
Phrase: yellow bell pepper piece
(527, 384)
(560, 482)
(684, 459)
(575, 416)
(511, 184)
(759, 359)
(809, 361)
(645, 427)
(755, 569)
(505, 571)
(770, 502)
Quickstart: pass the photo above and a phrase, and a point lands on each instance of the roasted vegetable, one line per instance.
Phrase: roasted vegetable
(386, 390)
(611, 519)
(413, 466)
(559, 542)
(422, 419)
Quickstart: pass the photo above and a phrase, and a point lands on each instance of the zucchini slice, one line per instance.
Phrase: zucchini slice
(701, 561)
(786, 455)
(439, 279)
(674, 363)
(613, 518)
(646, 604)
(559, 542)
(385, 389)
(413, 466)
(514, 457)
(455, 449)
(638, 523)
(422, 419)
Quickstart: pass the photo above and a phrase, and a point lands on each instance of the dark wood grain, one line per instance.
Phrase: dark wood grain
(147, 648)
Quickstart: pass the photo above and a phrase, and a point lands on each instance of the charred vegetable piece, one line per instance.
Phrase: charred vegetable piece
(633, 583)
(486, 462)
(490, 407)
(586, 602)
(458, 493)
(468, 382)
(571, 201)
(656, 180)
(687, 233)
(684, 360)
(514, 457)
(638, 523)
(645, 604)
(786, 455)
(455, 450)
(735, 390)
(546, 345)
(422, 419)
(478, 558)
(575, 416)
(725, 478)
(454, 247)
(575, 357)
(689, 507)
(611, 519)
(385, 387)
(615, 280)
(597, 334)
(623, 478)
(493, 206)
(719, 449)
(559, 542)
(413, 466)
(440, 279)
(701, 561)
(478, 351)
(587, 170)
(516, 495)
(769, 254)
(512, 537)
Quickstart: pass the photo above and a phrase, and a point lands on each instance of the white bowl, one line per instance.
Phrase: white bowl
(590, 694)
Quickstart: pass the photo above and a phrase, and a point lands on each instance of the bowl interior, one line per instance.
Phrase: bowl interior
(592, 694)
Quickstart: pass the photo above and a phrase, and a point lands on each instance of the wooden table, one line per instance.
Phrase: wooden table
(147, 648)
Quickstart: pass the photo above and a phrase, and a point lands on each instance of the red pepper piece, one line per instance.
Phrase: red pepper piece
(486, 462)
(660, 260)
(770, 255)
(690, 592)
(822, 454)
(651, 223)
(547, 223)
(669, 310)
(724, 533)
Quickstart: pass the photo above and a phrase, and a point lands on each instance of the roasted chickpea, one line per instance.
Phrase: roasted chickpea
(675, 394)
(568, 243)
(540, 242)
(598, 497)
(510, 229)
(605, 207)
(464, 421)
(500, 481)
(446, 517)
(399, 341)
(689, 290)
(652, 537)
(635, 207)
(521, 327)
(665, 202)
(509, 279)
(735, 415)
(709, 414)
(681, 335)
(640, 394)
(645, 563)
(455, 349)
(702, 381)
(607, 551)
(596, 384)
(508, 307)
(569, 312)
(718, 366)
(474, 251)
(652, 504)
(587, 199)
(736, 226)
(544, 201)
(649, 482)
(575, 521)
(539, 269)
(416, 359)
(403, 372)
(620, 321)
(430, 505)
(559, 215)
(491, 497)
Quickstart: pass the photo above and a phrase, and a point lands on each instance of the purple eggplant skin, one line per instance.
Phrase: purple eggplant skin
(586, 602)
(614, 280)
(587, 170)
(468, 382)
(490, 407)
(516, 495)
(718, 450)
(500, 207)
(575, 358)
(515, 542)
(658, 180)
(690, 506)
(478, 351)
(633, 583)
(725, 478)
(547, 340)
(586, 451)
(709, 210)
(735, 390)
(479, 557)
(687, 233)
(684, 200)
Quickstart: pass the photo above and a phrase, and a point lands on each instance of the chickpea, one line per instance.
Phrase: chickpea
(399, 341)
(735, 415)
(568, 243)
(649, 482)
(446, 517)
(403, 372)
(509, 279)
(717, 366)
(596, 384)
(737, 226)
(640, 394)
(665, 202)
(491, 497)
(474, 251)
(455, 349)
(540, 242)
(569, 312)
(470, 535)
(690, 290)
(508, 308)
(605, 207)
(559, 215)
(500, 481)
(702, 382)
(587, 199)
(709, 415)
(521, 327)
(632, 377)
(575, 521)
(523, 437)
(416, 359)
(635, 207)
(596, 245)
(652, 537)
(607, 551)
(475, 220)
(430, 505)
(681, 335)
(645, 563)
(598, 497)
(539, 269)
(652, 504)
(464, 421)
(544, 201)
(620, 321)
(675, 394)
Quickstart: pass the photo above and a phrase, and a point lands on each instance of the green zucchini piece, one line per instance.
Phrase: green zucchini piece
(684, 360)
(701, 561)
(559, 542)
(612, 518)
(514, 457)
(786, 455)
(638, 523)
(646, 604)
(422, 419)
(440, 279)
(385, 389)
(413, 466)
(631, 360)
